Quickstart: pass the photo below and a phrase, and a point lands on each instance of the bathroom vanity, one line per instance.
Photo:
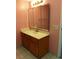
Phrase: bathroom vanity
(37, 42)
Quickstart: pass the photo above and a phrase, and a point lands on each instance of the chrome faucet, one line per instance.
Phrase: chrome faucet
(36, 29)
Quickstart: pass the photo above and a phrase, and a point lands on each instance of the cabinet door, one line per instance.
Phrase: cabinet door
(34, 48)
(25, 40)
(43, 46)
(30, 43)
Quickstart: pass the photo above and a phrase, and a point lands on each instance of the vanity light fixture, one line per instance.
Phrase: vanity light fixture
(37, 2)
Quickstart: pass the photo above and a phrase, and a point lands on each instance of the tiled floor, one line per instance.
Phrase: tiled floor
(22, 53)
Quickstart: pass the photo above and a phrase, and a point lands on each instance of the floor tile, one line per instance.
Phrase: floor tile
(22, 53)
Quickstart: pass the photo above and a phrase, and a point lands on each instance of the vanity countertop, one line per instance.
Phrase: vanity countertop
(38, 35)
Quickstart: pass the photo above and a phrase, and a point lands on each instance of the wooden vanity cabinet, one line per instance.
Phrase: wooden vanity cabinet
(38, 47)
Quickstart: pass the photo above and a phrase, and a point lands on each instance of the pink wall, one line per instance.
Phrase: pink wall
(21, 20)
(55, 14)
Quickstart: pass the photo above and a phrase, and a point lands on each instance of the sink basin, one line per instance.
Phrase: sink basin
(36, 34)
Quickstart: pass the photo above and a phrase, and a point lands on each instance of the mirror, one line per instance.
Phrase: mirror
(39, 17)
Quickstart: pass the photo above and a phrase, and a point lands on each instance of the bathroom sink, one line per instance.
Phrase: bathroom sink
(36, 34)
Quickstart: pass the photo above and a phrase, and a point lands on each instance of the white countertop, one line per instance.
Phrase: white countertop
(38, 35)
